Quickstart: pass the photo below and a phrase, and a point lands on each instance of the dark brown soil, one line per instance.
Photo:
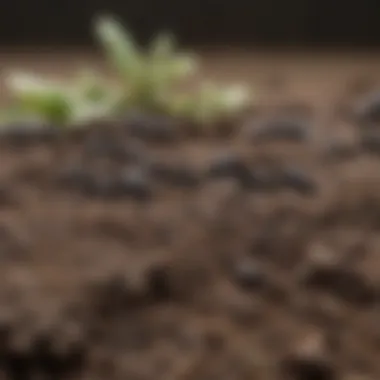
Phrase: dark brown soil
(138, 252)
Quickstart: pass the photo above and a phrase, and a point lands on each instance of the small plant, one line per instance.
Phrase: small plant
(83, 99)
(152, 79)
(149, 79)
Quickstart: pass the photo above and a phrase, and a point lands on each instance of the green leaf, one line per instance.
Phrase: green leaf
(148, 78)
(169, 66)
(165, 68)
(36, 96)
(119, 47)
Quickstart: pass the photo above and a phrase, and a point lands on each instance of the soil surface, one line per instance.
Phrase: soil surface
(150, 249)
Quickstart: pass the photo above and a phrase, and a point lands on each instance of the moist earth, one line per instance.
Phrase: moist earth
(149, 248)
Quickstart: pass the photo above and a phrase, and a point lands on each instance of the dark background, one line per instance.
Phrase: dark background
(205, 22)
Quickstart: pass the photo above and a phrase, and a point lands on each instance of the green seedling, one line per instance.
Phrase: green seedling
(151, 78)
(148, 79)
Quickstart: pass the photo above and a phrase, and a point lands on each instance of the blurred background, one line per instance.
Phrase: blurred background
(201, 22)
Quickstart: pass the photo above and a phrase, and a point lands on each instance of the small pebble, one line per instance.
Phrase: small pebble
(134, 183)
(338, 151)
(248, 275)
(298, 181)
(154, 128)
(286, 129)
(230, 166)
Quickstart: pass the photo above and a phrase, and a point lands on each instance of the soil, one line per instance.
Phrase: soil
(148, 249)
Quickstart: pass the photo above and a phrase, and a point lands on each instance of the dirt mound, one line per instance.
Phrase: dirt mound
(150, 250)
